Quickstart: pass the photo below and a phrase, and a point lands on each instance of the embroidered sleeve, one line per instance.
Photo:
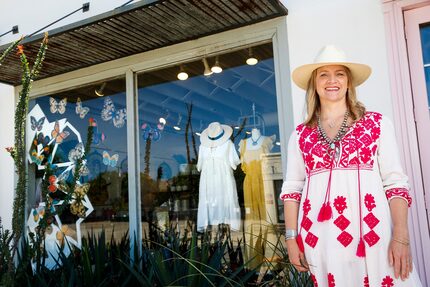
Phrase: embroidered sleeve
(402, 193)
(295, 178)
(394, 180)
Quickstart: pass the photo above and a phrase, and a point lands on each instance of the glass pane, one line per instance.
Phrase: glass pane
(425, 45)
(59, 123)
(425, 42)
(209, 145)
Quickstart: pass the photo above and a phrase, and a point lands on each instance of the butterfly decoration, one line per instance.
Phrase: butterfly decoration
(36, 125)
(98, 137)
(110, 160)
(38, 213)
(59, 107)
(74, 155)
(80, 110)
(56, 183)
(57, 135)
(40, 149)
(153, 134)
(109, 112)
(63, 232)
(77, 207)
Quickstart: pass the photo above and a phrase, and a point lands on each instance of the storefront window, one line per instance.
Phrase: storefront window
(56, 136)
(209, 144)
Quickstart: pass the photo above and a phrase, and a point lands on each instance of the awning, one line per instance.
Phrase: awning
(136, 28)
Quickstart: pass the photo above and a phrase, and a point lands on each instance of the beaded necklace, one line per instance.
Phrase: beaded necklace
(333, 144)
(255, 142)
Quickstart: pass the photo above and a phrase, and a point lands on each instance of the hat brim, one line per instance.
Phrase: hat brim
(360, 72)
(205, 141)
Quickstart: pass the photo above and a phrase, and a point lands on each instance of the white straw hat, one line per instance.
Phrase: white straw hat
(330, 55)
(215, 134)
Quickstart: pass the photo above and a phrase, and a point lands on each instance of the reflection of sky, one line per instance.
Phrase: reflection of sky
(227, 97)
(425, 45)
(116, 138)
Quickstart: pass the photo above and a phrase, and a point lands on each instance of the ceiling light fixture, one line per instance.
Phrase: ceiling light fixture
(216, 68)
(251, 59)
(177, 126)
(182, 75)
(100, 91)
(207, 71)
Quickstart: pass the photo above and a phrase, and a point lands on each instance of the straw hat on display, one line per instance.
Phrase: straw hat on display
(330, 55)
(215, 135)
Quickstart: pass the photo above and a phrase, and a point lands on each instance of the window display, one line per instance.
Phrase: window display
(193, 129)
(77, 191)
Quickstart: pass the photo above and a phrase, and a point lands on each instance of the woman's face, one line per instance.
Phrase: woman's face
(331, 83)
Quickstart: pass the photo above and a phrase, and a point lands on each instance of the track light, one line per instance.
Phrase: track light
(207, 71)
(251, 59)
(100, 91)
(177, 126)
(216, 68)
(182, 75)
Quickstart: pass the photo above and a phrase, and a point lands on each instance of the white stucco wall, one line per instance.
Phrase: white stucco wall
(7, 108)
(357, 27)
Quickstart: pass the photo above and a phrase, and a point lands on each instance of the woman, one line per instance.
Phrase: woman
(345, 195)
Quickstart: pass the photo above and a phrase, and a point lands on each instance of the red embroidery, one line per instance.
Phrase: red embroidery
(369, 201)
(296, 196)
(330, 279)
(366, 282)
(371, 238)
(311, 239)
(306, 223)
(371, 220)
(364, 138)
(387, 282)
(344, 238)
(340, 204)
(306, 207)
(342, 222)
(399, 192)
(314, 280)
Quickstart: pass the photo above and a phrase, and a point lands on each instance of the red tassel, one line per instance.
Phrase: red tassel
(325, 212)
(299, 241)
(361, 248)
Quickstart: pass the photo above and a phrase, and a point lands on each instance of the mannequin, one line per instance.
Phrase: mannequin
(218, 158)
(251, 150)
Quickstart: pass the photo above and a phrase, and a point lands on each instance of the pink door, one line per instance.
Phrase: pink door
(417, 28)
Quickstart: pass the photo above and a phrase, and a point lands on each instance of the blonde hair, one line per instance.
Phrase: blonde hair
(313, 105)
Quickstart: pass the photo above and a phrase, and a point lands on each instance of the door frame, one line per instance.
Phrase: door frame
(405, 126)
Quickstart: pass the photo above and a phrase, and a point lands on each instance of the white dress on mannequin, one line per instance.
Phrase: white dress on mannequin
(218, 202)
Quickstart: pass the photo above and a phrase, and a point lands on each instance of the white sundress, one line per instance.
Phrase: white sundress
(367, 170)
(218, 202)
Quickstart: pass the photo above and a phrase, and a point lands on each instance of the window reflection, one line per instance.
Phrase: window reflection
(242, 97)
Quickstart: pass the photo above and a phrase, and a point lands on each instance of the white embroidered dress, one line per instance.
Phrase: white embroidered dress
(218, 201)
(367, 171)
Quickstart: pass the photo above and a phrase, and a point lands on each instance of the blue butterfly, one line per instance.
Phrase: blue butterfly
(110, 160)
(37, 124)
(109, 112)
(150, 133)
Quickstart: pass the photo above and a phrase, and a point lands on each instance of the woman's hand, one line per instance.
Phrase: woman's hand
(297, 258)
(399, 256)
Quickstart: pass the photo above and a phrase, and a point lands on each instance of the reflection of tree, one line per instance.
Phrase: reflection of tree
(189, 126)
(147, 157)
